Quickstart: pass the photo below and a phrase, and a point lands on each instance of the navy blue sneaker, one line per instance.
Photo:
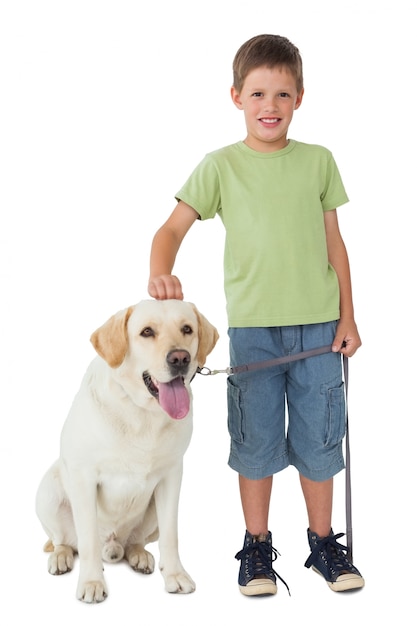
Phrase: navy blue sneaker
(256, 574)
(329, 558)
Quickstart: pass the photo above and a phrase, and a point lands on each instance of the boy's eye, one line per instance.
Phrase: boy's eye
(259, 94)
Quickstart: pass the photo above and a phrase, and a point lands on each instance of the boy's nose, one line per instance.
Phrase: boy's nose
(270, 105)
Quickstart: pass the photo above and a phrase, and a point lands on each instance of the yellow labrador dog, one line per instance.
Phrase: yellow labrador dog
(116, 484)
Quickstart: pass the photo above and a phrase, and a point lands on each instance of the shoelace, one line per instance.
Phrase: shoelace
(336, 553)
(259, 555)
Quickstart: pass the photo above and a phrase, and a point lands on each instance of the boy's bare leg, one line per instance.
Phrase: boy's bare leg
(339, 573)
(255, 496)
(319, 501)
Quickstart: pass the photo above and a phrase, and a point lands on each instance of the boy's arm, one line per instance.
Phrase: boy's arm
(165, 245)
(347, 331)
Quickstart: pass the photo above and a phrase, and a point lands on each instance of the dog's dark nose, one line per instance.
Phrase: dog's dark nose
(178, 361)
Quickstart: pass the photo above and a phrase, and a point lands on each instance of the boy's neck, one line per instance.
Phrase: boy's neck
(266, 147)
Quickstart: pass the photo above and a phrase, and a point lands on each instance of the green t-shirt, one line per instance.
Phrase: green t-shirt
(276, 268)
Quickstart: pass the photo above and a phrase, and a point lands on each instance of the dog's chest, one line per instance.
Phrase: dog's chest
(127, 479)
(122, 495)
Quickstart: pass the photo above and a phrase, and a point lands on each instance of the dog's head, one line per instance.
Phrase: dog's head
(157, 346)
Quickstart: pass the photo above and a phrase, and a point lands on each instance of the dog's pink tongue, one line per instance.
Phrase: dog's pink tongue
(174, 398)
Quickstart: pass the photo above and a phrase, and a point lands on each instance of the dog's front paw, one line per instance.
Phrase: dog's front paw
(140, 559)
(61, 560)
(180, 582)
(92, 591)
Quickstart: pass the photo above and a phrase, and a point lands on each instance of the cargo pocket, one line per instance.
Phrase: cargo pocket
(336, 425)
(234, 411)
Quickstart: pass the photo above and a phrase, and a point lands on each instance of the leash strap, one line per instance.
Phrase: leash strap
(280, 360)
(348, 485)
(238, 369)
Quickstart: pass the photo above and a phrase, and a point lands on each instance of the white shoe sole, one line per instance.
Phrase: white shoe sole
(345, 582)
(259, 587)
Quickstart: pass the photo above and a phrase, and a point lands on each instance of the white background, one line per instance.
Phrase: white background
(106, 107)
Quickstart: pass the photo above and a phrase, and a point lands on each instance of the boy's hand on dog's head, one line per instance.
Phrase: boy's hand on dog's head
(165, 287)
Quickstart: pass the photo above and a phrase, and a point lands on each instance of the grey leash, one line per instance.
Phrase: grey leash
(348, 486)
(239, 369)
(205, 371)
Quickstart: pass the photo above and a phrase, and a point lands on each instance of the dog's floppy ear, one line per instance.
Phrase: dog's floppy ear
(110, 340)
(207, 337)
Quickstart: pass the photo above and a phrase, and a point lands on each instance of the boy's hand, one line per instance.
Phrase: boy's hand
(165, 287)
(347, 339)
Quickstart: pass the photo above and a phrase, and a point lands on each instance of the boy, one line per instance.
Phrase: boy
(288, 289)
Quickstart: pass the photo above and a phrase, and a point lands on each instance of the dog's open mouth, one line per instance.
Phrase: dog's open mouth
(173, 396)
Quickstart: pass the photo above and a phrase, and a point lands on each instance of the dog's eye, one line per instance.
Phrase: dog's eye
(186, 330)
(147, 332)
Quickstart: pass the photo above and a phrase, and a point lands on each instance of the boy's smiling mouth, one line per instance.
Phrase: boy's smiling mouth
(269, 120)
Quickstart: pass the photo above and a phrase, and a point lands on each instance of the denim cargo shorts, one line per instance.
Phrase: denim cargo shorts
(291, 414)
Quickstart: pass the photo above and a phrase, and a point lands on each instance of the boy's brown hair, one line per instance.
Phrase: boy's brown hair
(270, 51)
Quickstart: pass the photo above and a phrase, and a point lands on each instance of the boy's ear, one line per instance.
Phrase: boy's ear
(299, 99)
(236, 98)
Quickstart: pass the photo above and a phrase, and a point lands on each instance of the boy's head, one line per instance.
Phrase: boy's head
(267, 51)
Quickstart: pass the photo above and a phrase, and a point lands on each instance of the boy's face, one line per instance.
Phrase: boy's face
(268, 99)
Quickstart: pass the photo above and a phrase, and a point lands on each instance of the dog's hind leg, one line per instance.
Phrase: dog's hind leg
(55, 515)
(61, 560)
(138, 558)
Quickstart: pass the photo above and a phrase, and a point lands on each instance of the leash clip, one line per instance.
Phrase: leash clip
(206, 371)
